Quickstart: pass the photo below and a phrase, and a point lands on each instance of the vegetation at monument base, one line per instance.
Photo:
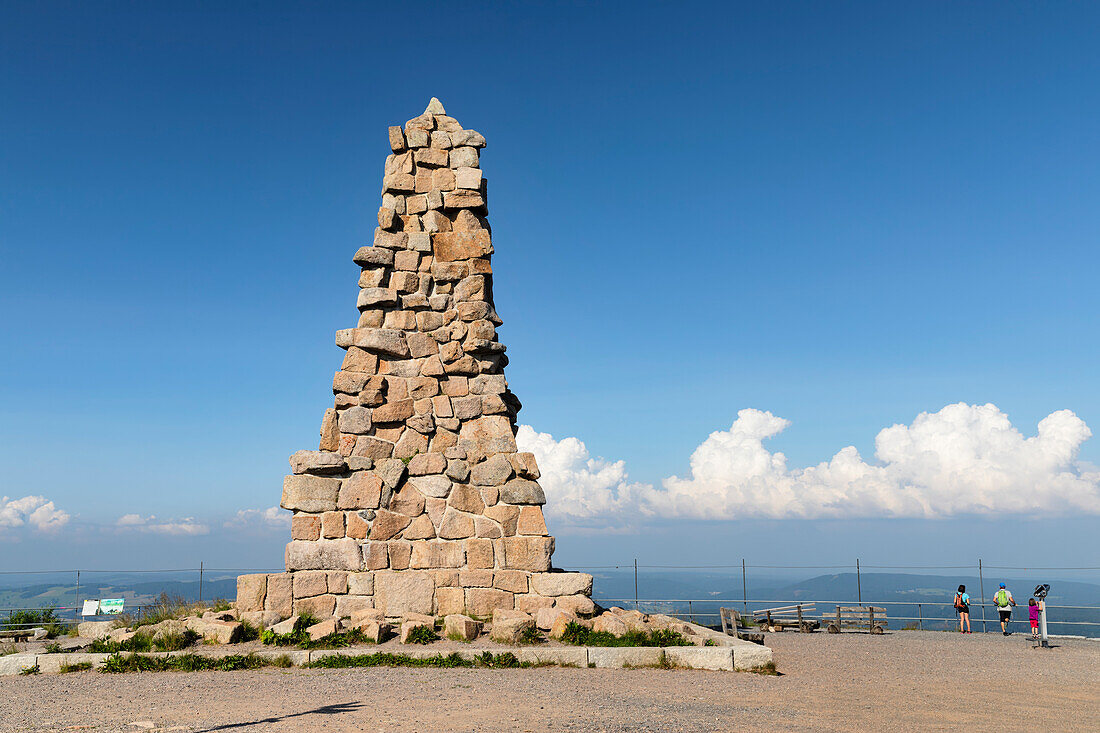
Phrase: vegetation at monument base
(146, 642)
(580, 635)
(383, 659)
(117, 663)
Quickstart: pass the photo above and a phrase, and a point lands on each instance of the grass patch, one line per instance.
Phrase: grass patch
(167, 607)
(53, 648)
(248, 632)
(75, 667)
(117, 664)
(767, 670)
(531, 635)
(297, 635)
(27, 671)
(143, 641)
(507, 660)
(458, 637)
(299, 638)
(421, 635)
(580, 635)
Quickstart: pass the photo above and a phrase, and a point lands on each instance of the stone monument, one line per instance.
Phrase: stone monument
(418, 500)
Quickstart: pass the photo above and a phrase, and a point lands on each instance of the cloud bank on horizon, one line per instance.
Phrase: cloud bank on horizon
(34, 511)
(964, 459)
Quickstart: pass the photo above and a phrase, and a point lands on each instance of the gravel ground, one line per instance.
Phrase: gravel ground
(900, 681)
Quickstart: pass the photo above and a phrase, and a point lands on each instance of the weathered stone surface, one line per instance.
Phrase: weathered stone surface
(94, 629)
(561, 584)
(482, 602)
(361, 491)
(437, 486)
(532, 604)
(460, 627)
(318, 462)
(531, 521)
(479, 553)
(510, 630)
(341, 554)
(490, 433)
(280, 596)
(388, 525)
(522, 491)
(610, 623)
(515, 581)
(310, 493)
(387, 342)
(617, 657)
(316, 606)
(453, 246)
(528, 553)
(579, 604)
(493, 471)
(397, 593)
(251, 591)
(322, 629)
(309, 583)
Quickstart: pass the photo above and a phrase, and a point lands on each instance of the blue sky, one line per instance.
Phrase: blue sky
(844, 214)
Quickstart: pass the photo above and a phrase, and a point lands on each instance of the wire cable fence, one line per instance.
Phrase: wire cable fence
(194, 584)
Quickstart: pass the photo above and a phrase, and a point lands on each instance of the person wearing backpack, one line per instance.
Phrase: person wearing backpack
(1004, 602)
(962, 607)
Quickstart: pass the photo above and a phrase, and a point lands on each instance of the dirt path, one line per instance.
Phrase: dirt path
(902, 681)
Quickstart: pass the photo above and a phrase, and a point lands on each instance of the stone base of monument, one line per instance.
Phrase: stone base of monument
(743, 657)
(266, 599)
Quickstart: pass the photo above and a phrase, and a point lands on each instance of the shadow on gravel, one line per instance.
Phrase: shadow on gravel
(335, 709)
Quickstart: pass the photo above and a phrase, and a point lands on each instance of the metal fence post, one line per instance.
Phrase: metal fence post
(859, 589)
(76, 606)
(981, 588)
(920, 619)
(200, 581)
(635, 584)
(744, 588)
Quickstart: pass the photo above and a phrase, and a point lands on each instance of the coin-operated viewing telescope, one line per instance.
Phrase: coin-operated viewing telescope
(1040, 594)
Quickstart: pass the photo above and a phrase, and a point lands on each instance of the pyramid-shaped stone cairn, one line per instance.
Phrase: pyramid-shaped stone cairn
(418, 500)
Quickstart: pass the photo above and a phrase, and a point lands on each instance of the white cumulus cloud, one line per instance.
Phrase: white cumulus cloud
(186, 527)
(34, 511)
(964, 459)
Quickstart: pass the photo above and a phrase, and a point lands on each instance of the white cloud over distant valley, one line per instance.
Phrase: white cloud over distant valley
(964, 459)
(186, 527)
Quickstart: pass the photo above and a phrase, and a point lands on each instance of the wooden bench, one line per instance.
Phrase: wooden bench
(22, 634)
(732, 626)
(788, 617)
(862, 618)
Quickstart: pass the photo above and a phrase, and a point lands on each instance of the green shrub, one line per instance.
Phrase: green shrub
(173, 641)
(27, 618)
(117, 663)
(531, 635)
(141, 641)
(248, 632)
(422, 635)
(33, 669)
(53, 648)
(75, 667)
(580, 635)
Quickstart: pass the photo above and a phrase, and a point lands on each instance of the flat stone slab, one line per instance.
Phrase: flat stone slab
(613, 657)
(51, 663)
(14, 664)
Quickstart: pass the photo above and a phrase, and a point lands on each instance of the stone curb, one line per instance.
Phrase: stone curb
(726, 659)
